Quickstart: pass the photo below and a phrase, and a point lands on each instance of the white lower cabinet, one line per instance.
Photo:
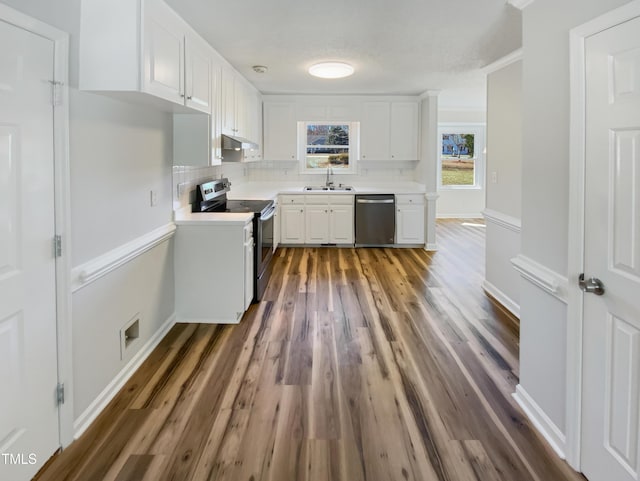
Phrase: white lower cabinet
(410, 211)
(214, 271)
(316, 219)
(316, 224)
(292, 224)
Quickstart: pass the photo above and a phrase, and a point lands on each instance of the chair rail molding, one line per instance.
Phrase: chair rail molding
(546, 279)
(498, 218)
(100, 266)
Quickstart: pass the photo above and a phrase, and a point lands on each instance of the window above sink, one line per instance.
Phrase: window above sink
(326, 145)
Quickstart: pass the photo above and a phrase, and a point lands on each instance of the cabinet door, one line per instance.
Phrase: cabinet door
(248, 273)
(341, 224)
(198, 74)
(228, 103)
(216, 114)
(292, 224)
(241, 114)
(280, 131)
(163, 53)
(317, 224)
(410, 224)
(374, 131)
(404, 131)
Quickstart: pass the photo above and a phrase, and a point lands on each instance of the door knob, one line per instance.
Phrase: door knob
(592, 285)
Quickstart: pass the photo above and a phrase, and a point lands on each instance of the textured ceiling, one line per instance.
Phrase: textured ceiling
(396, 47)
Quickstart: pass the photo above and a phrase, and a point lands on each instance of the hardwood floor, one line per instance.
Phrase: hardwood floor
(359, 364)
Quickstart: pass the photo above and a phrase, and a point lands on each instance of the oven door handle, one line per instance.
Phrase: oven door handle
(269, 214)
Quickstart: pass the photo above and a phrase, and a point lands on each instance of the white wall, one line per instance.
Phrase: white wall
(118, 154)
(503, 205)
(545, 187)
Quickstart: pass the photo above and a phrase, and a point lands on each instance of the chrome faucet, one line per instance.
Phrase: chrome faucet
(329, 181)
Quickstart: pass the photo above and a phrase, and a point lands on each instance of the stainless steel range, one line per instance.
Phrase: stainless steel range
(212, 197)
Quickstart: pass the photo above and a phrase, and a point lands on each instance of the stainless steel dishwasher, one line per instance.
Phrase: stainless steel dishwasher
(375, 219)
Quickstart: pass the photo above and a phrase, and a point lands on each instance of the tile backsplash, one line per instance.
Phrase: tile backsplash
(185, 179)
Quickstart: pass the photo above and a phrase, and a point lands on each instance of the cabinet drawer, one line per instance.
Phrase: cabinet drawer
(316, 199)
(412, 199)
(342, 199)
(291, 199)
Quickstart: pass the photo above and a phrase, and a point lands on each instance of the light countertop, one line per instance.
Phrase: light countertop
(185, 217)
(270, 190)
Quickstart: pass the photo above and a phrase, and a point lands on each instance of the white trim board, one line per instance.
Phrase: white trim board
(508, 303)
(541, 421)
(503, 62)
(546, 279)
(471, 215)
(503, 220)
(90, 414)
(93, 270)
(577, 160)
(520, 4)
(62, 205)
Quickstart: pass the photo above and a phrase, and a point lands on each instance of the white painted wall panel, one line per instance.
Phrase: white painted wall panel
(102, 308)
(542, 350)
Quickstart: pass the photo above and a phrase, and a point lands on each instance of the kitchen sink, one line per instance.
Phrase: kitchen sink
(340, 187)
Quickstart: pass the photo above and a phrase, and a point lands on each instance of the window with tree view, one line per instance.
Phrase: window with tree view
(328, 145)
(458, 158)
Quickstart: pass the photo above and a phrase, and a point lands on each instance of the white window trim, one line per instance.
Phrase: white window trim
(354, 146)
(478, 129)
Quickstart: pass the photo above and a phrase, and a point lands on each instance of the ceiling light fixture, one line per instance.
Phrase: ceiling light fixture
(331, 70)
(259, 69)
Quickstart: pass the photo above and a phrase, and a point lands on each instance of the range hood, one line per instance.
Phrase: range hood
(237, 143)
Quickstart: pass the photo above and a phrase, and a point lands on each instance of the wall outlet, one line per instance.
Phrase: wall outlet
(494, 177)
(153, 198)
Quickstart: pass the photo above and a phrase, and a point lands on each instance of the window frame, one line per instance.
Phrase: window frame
(353, 147)
(478, 130)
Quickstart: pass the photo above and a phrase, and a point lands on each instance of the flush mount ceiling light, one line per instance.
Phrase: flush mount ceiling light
(331, 70)
(259, 69)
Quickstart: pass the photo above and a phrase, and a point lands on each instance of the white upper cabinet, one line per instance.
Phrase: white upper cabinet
(239, 100)
(374, 131)
(404, 131)
(389, 130)
(175, 63)
(280, 131)
(198, 74)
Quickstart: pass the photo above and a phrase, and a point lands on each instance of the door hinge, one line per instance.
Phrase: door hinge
(60, 393)
(56, 92)
(57, 245)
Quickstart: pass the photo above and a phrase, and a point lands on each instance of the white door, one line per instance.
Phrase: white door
(611, 377)
(28, 356)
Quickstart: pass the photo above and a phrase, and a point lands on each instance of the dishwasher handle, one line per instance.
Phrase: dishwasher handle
(375, 201)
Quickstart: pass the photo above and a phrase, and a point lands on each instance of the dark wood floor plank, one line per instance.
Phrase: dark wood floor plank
(372, 364)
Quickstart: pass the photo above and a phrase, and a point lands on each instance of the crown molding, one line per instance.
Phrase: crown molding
(520, 4)
(429, 93)
(503, 62)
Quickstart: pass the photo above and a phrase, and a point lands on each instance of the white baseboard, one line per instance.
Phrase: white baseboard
(90, 414)
(472, 215)
(541, 421)
(431, 247)
(502, 298)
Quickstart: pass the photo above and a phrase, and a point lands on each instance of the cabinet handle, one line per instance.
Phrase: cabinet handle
(301, 210)
(189, 97)
(393, 156)
(181, 96)
(364, 156)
